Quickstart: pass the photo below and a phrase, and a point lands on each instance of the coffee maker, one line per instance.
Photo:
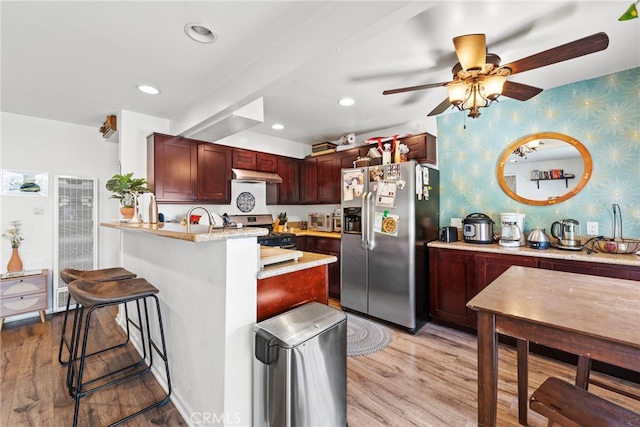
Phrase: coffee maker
(512, 234)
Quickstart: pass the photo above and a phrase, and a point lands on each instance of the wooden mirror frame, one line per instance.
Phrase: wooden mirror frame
(584, 153)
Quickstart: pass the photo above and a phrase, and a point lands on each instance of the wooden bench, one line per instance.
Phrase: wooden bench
(571, 406)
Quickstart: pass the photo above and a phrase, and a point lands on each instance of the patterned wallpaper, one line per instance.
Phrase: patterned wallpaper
(602, 113)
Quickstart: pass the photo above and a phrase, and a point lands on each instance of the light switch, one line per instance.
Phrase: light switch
(38, 210)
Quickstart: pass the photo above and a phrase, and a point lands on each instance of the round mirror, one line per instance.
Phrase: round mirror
(544, 168)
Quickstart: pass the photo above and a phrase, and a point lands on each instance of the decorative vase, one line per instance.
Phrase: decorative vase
(15, 263)
(127, 212)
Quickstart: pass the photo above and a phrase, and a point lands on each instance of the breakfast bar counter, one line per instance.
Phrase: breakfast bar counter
(209, 285)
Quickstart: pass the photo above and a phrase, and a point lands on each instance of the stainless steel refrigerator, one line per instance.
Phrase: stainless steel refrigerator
(389, 212)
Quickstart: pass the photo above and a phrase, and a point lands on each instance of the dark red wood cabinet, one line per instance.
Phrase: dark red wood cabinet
(172, 168)
(289, 189)
(326, 246)
(183, 170)
(214, 173)
(309, 181)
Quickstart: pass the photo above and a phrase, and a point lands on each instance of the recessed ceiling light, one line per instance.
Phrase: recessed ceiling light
(277, 126)
(148, 89)
(199, 32)
(346, 102)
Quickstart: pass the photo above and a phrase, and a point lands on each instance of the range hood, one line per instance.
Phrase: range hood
(256, 176)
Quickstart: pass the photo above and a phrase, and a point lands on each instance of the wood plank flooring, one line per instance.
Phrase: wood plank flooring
(426, 379)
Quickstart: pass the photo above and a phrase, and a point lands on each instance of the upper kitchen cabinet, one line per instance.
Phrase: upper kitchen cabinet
(289, 189)
(422, 148)
(309, 181)
(214, 173)
(329, 168)
(254, 160)
(182, 170)
(172, 168)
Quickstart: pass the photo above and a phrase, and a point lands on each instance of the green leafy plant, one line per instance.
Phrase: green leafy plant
(125, 188)
(13, 234)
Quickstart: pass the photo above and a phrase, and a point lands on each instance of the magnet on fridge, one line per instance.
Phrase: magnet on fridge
(400, 184)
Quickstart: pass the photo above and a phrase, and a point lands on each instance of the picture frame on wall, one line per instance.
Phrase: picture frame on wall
(24, 183)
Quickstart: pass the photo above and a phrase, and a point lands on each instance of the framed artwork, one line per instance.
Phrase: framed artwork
(24, 183)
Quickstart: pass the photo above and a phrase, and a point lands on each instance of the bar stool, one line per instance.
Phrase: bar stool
(90, 296)
(68, 275)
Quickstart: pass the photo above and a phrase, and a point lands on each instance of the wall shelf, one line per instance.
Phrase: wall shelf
(566, 180)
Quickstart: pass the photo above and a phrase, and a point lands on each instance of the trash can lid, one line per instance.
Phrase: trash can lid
(296, 326)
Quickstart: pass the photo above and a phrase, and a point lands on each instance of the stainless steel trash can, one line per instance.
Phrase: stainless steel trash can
(304, 352)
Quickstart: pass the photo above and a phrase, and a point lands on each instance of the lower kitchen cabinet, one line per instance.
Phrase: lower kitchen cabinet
(326, 246)
(451, 285)
(456, 276)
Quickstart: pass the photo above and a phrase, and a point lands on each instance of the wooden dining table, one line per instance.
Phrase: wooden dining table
(590, 316)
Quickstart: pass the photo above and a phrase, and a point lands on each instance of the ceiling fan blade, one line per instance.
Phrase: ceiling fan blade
(519, 91)
(584, 46)
(441, 108)
(471, 50)
(412, 88)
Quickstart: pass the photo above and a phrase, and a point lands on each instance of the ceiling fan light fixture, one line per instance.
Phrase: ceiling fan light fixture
(493, 86)
(457, 92)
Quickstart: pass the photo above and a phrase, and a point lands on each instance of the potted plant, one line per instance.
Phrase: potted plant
(126, 189)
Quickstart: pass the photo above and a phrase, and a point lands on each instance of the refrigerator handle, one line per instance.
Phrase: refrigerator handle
(363, 223)
(371, 242)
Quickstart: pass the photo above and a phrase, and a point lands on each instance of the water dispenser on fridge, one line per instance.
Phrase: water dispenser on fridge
(351, 220)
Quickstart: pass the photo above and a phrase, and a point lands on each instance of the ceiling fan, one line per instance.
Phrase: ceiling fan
(479, 79)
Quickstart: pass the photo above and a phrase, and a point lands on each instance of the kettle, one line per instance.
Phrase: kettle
(538, 239)
(565, 231)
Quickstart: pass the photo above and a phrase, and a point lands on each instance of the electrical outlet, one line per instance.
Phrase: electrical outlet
(456, 222)
(592, 228)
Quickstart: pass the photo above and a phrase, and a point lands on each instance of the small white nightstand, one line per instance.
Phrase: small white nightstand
(23, 292)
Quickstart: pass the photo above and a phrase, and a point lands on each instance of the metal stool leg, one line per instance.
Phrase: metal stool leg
(76, 366)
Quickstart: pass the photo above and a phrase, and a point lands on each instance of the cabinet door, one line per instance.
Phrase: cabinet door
(266, 162)
(328, 246)
(595, 269)
(244, 159)
(452, 284)
(172, 170)
(490, 266)
(289, 171)
(422, 148)
(309, 183)
(328, 178)
(214, 173)
(348, 157)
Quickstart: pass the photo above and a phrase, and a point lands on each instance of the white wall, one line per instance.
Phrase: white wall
(56, 148)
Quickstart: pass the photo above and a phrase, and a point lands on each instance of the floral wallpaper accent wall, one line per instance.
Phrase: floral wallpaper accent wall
(602, 113)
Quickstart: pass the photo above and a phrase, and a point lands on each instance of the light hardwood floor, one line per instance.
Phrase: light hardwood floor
(426, 379)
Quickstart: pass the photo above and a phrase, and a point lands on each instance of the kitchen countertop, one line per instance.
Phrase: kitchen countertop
(331, 234)
(308, 260)
(620, 259)
(198, 233)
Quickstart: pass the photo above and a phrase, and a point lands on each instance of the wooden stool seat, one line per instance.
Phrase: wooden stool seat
(91, 294)
(68, 275)
(572, 406)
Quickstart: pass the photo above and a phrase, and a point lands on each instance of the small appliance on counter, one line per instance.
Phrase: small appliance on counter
(320, 222)
(538, 239)
(477, 228)
(337, 220)
(566, 231)
(512, 233)
(448, 234)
